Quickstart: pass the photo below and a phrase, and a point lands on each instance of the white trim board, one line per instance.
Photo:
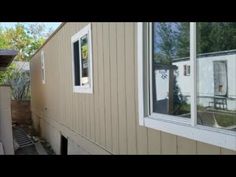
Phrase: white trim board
(43, 72)
(76, 37)
(187, 128)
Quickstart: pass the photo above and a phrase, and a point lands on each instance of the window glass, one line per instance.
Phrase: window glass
(170, 66)
(76, 63)
(216, 71)
(84, 59)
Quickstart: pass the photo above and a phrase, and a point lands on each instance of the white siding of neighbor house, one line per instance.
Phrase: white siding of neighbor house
(105, 122)
(206, 78)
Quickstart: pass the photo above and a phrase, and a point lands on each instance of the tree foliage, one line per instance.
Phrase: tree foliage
(6, 75)
(171, 40)
(216, 36)
(25, 40)
(20, 84)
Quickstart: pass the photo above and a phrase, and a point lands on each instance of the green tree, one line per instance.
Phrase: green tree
(5, 75)
(3, 42)
(18, 39)
(164, 43)
(216, 36)
(171, 40)
(25, 40)
(183, 40)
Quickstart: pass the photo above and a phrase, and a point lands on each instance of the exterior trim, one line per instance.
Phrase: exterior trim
(140, 73)
(83, 89)
(43, 67)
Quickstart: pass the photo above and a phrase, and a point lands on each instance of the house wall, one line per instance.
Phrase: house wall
(105, 122)
(5, 121)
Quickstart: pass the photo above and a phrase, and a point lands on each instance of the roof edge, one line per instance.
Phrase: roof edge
(8, 52)
(49, 38)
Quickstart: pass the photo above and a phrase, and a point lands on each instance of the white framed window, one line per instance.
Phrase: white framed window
(186, 70)
(82, 74)
(191, 106)
(43, 67)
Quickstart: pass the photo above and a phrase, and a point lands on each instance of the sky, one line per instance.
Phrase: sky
(48, 25)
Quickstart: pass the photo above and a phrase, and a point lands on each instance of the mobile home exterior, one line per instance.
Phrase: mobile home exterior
(206, 65)
(106, 119)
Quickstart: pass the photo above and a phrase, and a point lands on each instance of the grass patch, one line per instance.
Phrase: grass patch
(225, 120)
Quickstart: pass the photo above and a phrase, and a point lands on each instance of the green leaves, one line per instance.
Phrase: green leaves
(172, 41)
(216, 36)
(20, 84)
(25, 40)
(6, 75)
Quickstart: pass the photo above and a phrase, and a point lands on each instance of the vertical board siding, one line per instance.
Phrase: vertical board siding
(109, 116)
(168, 143)
(67, 81)
(96, 81)
(186, 146)
(227, 152)
(130, 95)
(107, 81)
(121, 88)
(114, 90)
(92, 97)
(142, 136)
(203, 148)
(154, 142)
(74, 96)
(100, 43)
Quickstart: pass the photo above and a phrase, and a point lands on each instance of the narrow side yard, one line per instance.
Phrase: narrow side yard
(27, 142)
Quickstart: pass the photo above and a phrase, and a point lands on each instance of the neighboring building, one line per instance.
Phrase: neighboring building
(22, 65)
(89, 95)
(212, 66)
(6, 138)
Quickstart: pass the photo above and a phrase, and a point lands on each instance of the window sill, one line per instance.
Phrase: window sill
(221, 138)
(77, 89)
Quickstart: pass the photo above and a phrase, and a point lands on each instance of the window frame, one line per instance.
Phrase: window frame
(43, 72)
(77, 38)
(187, 128)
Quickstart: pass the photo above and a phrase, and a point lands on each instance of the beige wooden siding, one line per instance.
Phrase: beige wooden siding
(107, 85)
(186, 146)
(121, 88)
(142, 137)
(130, 84)
(154, 141)
(95, 82)
(108, 118)
(203, 148)
(100, 73)
(114, 90)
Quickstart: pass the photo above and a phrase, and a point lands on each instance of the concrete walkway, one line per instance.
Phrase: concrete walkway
(29, 150)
